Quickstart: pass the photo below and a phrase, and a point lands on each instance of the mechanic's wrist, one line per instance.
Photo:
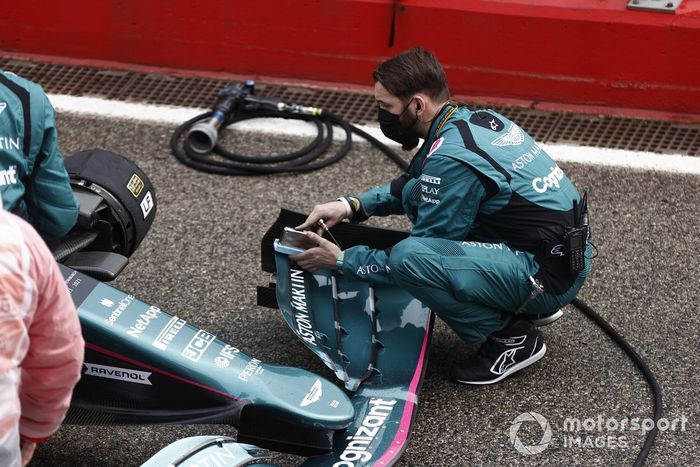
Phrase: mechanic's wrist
(346, 204)
(340, 260)
(355, 207)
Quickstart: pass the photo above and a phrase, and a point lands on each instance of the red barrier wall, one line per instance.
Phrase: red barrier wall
(577, 52)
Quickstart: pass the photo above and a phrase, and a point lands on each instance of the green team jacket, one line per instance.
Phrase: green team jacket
(478, 176)
(33, 180)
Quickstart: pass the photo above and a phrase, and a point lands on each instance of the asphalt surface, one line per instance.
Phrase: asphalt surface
(201, 261)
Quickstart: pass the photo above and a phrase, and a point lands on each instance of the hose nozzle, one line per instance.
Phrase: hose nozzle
(203, 136)
(301, 109)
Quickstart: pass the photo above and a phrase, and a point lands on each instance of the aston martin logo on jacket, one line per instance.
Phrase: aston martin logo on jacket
(513, 137)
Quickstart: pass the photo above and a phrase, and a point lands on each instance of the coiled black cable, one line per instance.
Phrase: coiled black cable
(303, 159)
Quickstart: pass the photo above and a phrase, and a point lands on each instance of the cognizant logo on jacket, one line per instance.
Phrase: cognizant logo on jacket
(8, 176)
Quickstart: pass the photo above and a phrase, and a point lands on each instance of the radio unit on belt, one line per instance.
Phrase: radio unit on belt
(575, 238)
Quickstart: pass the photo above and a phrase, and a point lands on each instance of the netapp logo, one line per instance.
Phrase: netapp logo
(144, 320)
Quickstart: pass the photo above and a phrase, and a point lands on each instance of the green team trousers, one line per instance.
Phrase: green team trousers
(472, 286)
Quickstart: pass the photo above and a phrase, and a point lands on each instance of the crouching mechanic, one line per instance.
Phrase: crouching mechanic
(33, 180)
(490, 212)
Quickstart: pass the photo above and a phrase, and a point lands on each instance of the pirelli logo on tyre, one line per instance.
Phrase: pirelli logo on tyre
(135, 185)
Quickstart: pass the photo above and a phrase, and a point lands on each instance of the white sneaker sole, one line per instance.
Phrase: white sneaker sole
(539, 322)
(517, 367)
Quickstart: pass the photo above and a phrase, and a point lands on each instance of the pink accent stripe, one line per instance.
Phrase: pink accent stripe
(411, 399)
(157, 370)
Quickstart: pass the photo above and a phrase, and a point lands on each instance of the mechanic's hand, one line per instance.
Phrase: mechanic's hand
(331, 213)
(325, 255)
(27, 450)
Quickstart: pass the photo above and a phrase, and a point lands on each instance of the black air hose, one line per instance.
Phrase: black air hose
(643, 367)
(302, 160)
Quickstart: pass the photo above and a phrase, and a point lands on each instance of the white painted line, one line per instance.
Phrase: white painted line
(676, 163)
(173, 115)
(127, 110)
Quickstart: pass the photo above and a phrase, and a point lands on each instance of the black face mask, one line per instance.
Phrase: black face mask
(393, 129)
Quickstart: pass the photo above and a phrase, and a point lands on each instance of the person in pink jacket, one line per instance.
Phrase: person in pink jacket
(41, 347)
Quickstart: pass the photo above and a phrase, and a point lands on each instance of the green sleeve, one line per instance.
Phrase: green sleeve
(366, 264)
(382, 201)
(52, 206)
(450, 195)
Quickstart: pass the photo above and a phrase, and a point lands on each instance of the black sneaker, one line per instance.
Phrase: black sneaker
(503, 353)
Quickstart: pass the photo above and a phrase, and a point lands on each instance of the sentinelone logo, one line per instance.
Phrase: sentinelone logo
(592, 432)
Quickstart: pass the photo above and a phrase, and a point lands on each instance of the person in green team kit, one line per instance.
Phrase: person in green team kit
(495, 221)
(34, 183)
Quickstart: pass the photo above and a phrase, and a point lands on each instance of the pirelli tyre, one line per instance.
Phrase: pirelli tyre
(129, 199)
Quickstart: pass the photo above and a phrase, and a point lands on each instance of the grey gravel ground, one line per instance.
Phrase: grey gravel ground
(201, 261)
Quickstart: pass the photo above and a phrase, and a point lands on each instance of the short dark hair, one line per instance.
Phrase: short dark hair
(414, 70)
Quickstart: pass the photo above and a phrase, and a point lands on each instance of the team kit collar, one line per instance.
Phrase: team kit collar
(447, 111)
(439, 121)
